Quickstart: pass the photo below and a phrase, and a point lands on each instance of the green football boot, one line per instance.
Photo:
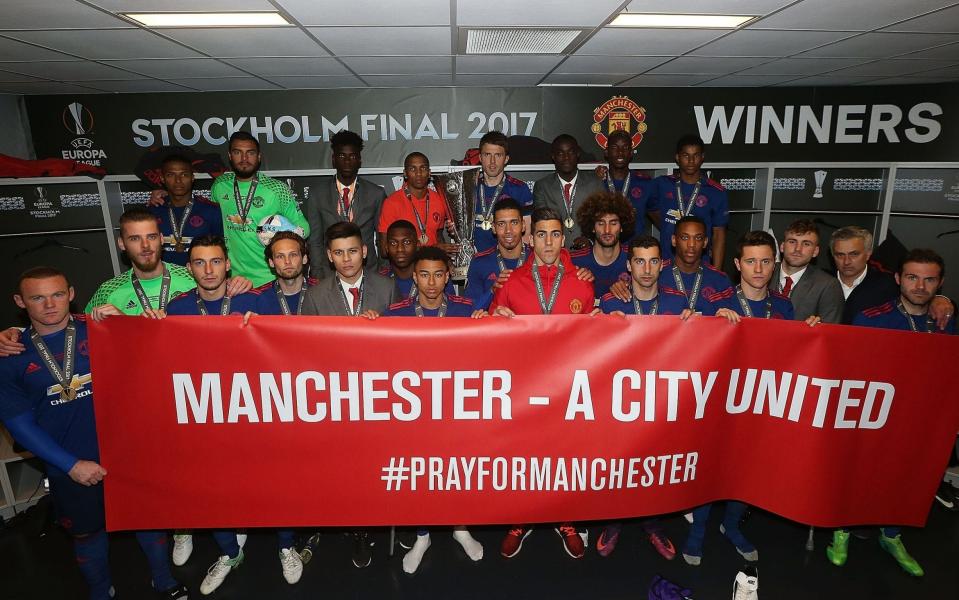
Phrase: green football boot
(838, 551)
(895, 547)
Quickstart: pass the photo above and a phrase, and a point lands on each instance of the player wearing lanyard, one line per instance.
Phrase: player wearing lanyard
(490, 268)
(184, 215)
(544, 285)
(46, 403)
(431, 269)
(418, 204)
(209, 265)
(920, 276)
(246, 197)
(635, 186)
(564, 190)
(493, 185)
(756, 261)
(401, 246)
(288, 256)
(607, 220)
(689, 192)
(151, 283)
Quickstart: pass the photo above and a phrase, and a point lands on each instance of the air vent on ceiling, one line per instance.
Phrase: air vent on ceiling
(519, 40)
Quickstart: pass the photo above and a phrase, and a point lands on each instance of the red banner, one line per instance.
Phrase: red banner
(326, 421)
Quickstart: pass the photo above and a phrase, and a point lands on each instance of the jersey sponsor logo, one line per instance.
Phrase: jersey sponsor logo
(618, 113)
(78, 383)
(575, 306)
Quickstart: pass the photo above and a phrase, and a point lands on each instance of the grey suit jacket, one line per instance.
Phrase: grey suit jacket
(548, 192)
(326, 297)
(321, 212)
(817, 293)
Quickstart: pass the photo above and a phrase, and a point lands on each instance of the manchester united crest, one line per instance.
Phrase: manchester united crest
(619, 112)
(575, 306)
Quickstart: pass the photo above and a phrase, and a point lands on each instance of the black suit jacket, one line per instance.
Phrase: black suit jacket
(548, 192)
(321, 212)
(877, 288)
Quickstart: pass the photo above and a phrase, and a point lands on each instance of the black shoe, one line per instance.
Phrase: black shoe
(946, 497)
(177, 592)
(362, 549)
(405, 538)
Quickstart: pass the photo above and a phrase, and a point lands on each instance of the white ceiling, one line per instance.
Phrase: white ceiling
(80, 46)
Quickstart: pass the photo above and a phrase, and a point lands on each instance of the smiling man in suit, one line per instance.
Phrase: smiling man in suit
(564, 191)
(345, 197)
(811, 290)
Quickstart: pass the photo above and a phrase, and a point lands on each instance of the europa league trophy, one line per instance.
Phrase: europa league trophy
(459, 190)
(820, 180)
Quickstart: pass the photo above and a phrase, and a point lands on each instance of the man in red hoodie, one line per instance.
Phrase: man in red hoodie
(546, 285)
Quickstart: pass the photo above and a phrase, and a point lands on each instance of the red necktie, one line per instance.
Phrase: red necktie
(788, 286)
(346, 200)
(355, 291)
(566, 188)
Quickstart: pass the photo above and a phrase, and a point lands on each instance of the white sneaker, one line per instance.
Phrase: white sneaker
(182, 549)
(218, 572)
(292, 565)
(241, 540)
(746, 585)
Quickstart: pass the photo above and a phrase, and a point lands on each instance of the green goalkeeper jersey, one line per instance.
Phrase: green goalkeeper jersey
(120, 292)
(271, 197)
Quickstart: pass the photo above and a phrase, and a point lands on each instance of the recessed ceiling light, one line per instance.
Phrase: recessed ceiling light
(195, 19)
(517, 40)
(700, 21)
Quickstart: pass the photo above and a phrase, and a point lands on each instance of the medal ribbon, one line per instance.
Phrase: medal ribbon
(639, 308)
(487, 209)
(177, 227)
(419, 221)
(224, 305)
(744, 304)
(65, 376)
(243, 207)
(693, 296)
(347, 214)
(419, 309)
(568, 202)
(612, 186)
(685, 210)
(502, 265)
(930, 325)
(544, 304)
(142, 295)
(281, 298)
(346, 302)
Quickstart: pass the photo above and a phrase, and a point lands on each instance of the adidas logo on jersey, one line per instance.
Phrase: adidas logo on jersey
(32, 368)
(131, 305)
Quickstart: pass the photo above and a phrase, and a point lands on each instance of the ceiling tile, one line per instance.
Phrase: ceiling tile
(55, 14)
(267, 67)
(494, 64)
(376, 41)
(211, 84)
(509, 13)
(399, 65)
(912, 80)
(610, 64)
(802, 66)
(68, 70)
(952, 71)
(318, 82)
(107, 43)
(826, 81)
(750, 42)
(594, 78)
(136, 85)
(667, 80)
(44, 87)
(408, 80)
(943, 21)
(8, 76)
(704, 64)
(711, 7)
(615, 41)
(170, 68)
(250, 41)
(891, 67)
(947, 52)
(882, 45)
(369, 12)
(16, 50)
(746, 80)
(831, 15)
(509, 80)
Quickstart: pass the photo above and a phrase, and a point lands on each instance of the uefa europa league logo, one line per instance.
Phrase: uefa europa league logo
(41, 194)
(820, 180)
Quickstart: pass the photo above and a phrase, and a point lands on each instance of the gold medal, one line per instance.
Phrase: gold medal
(568, 223)
(68, 394)
(179, 247)
(237, 219)
(487, 224)
(424, 239)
